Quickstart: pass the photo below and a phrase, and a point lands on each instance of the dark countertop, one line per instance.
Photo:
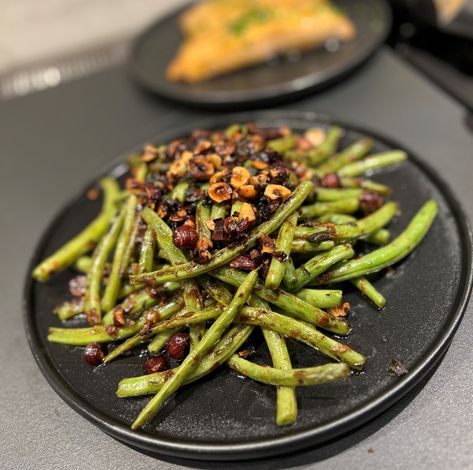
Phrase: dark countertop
(52, 142)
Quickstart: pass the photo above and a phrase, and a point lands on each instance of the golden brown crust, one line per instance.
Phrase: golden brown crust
(222, 36)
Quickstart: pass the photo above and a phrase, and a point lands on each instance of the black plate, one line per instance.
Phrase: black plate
(229, 417)
(261, 84)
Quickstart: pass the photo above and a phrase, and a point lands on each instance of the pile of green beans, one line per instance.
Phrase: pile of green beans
(142, 286)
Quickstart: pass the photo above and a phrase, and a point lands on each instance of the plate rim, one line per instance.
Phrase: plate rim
(265, 447)
(276, 94)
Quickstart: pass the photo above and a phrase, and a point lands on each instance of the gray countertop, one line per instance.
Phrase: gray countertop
(52, 142)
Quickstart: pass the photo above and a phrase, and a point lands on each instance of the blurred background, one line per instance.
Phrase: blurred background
(52, 41)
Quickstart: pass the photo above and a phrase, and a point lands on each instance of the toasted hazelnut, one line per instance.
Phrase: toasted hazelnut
(210, 224)
(218, 176)
(259, 164)
(177, 168)
(266, 244)
(276, 192)
(186, 156)
(247, 211)
(202, 146)
(341, 311)
(201, 168)
(247, 191)
(240, 176)
(316, 136)
(135, 185)
(220, 192)
(150, 153)
(259, 179)
(215, 160)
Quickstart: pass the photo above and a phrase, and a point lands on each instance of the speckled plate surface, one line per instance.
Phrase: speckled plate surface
(281, 80)
(227, 417)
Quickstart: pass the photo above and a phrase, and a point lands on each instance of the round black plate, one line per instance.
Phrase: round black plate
(228, 417)
(261, 84)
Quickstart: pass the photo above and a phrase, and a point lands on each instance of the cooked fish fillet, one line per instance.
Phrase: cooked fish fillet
(225, 35)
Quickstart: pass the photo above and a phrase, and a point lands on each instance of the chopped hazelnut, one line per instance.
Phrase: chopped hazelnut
(247, 211)
(178, 168)
(259, 179)
(220, 192)
(215, 160)
(316, 136)
(218, 176)
(247, 191)
(267, 244)
(150, 153)
(276, 192)
(240, 176)
(259, 164)
(201, 168)
(186, 156)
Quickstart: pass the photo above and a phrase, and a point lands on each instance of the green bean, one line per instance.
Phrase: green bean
(334, 218)
(383, 257)
(160, 340)
(353, 152)
(303, 246)
(151, 383)
(335, 194)
(182, 320)
(289, 377)
(319, 264)
(282, 144)
(219, 211)
(380, 237)
(92, 306)
(131, 247)
(286, 301)
(326, 149)
(83, 264)
(131, 305)
(119, 259)
(286, 402)
(224, 256)
(345, 206)
(191, 362)
(147, 251)
(191, 292)
(202, 214)
(330, 298)
(373, 162)
(370, 291)
(367, 185)
(179, 191)
(236, 207)
(81, 243)
(303, 332)
(70, 309)
(283, 246)
(100, 333)
(289, 273)
(216, 289)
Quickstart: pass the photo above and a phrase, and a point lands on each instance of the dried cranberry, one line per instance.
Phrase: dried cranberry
(185, 236)
(177, 345)
(244, 262)
(154, 364)
(78, 285)
(370, 201)
(330, 180)
(94, 354)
